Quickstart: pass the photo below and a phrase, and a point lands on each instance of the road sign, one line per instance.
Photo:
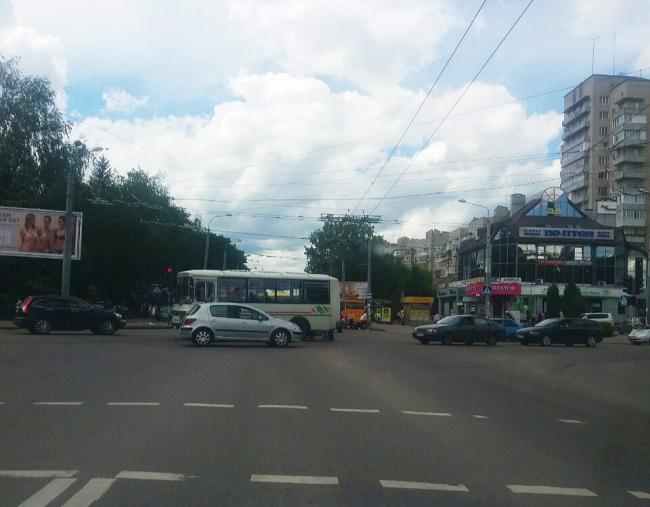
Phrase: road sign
(622, 300)
(487, 290)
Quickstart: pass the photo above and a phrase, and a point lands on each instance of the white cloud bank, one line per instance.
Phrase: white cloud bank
(121, 101)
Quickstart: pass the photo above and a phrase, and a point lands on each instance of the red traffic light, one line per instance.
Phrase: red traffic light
(170, 269)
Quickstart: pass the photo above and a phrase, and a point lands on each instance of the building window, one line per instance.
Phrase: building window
(602, 160)
(603, 115)
(603, 131)
(602, 190)
(604, 144)
(604, 265)
(604, 100)
(602, 175)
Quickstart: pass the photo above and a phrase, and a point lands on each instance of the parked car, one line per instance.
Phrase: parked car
(561, 330)
(509, 327)
(459, 328)
(639, 336)
(42, 314)
(208, 322)
(123, 310)
(599, 317)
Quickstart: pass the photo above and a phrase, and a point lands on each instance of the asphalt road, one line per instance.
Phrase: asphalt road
(373, 418)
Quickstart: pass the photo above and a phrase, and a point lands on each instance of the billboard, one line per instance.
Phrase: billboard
(38, 233)
(553, 233)
(606, 207)
(354, 290)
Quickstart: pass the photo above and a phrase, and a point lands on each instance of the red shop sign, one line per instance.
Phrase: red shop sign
(506, 289)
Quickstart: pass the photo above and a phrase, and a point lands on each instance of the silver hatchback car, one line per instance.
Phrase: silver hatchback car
(207, 322)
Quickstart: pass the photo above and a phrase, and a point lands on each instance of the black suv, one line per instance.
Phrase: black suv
(41, 314)
(464, 328)
(560, 330)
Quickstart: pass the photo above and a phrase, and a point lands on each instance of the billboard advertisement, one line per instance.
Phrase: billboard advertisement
(606, 207)
(37, 233)
(354, 290)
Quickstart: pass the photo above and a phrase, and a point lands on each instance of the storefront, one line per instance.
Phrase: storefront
(550, 241)
(417, 308)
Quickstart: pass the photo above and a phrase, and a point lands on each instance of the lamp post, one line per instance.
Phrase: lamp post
(644, 192)
(488, 256)
(207, 240)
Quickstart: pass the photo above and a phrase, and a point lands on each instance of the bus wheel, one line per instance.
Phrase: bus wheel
(304, 326)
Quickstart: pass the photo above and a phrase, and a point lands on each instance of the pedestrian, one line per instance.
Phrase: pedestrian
(402, 317)
(436, 318)
(152, 314)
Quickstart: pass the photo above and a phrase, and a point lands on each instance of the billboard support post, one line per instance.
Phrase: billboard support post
(67, 244)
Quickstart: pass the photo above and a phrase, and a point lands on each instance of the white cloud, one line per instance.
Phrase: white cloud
(120, 101)
(40, 54)
(275, 117)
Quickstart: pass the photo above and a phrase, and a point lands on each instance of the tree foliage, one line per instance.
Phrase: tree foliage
(572, 300)
(132, 230)
(391, 277)
(553, 301)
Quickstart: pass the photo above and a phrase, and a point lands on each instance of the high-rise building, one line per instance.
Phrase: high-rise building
(604, 148)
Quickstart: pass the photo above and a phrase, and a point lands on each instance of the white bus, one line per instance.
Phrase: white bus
(310, 301)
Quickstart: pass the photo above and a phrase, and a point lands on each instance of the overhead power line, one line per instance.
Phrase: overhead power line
(435, 82)
(460, 97)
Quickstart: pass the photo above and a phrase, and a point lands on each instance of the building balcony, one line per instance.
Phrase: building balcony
(628, 125)
(575, 128)
(575, 114)
(574, 183)
(630, 222)
(629, 174)
(631, 141)
(631, 158)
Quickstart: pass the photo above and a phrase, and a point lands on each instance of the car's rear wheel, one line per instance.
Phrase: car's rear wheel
(202, 337)
(423, 341)
(591, 341)
(107, 327)
(491, 341)
(446, 339)
(42, 326)
(545, 341)
(280, 338)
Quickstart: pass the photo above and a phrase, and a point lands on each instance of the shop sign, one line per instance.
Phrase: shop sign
(554, 233)
(560, 262)
(506, 289)
(509, 279)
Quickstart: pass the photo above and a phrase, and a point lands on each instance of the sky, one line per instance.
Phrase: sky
(276, 112)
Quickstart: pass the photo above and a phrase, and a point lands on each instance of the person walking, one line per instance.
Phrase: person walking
(152, 314)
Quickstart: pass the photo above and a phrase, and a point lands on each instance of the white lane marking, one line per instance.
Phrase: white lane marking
(48, 493)
(209, 405)
(357, 410)
(479, 416)
(642, 495)
(152, 476)
(292, 407)
(133, 403)
(60, 403)
(38, 474)
(2, 402)
(571, 421)
(423, 485)
(93, 490)
(549, 490)
(295, 479)
(436, 414)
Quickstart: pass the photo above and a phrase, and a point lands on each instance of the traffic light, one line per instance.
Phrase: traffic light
(170, 270)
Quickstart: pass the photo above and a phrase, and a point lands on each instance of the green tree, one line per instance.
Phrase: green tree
(102, 181)
(553, 301)
(337, 240)
(572, 300)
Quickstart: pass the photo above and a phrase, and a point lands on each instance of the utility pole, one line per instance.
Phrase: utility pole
(370, 267)
(206, 249)
(67, 243)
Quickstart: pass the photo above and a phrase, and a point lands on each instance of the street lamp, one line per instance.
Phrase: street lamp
(488, 256)
(207, 239)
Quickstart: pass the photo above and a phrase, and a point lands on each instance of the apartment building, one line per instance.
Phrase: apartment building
(604, 149)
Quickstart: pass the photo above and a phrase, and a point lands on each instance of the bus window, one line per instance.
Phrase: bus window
(204, 292)
(317, 292)
(185, 290)
(287, 291)
(261, 290)
(232, 289)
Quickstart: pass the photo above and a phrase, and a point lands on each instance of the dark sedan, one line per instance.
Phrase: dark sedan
(41, 314)
(460, 328)
(561, 330)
